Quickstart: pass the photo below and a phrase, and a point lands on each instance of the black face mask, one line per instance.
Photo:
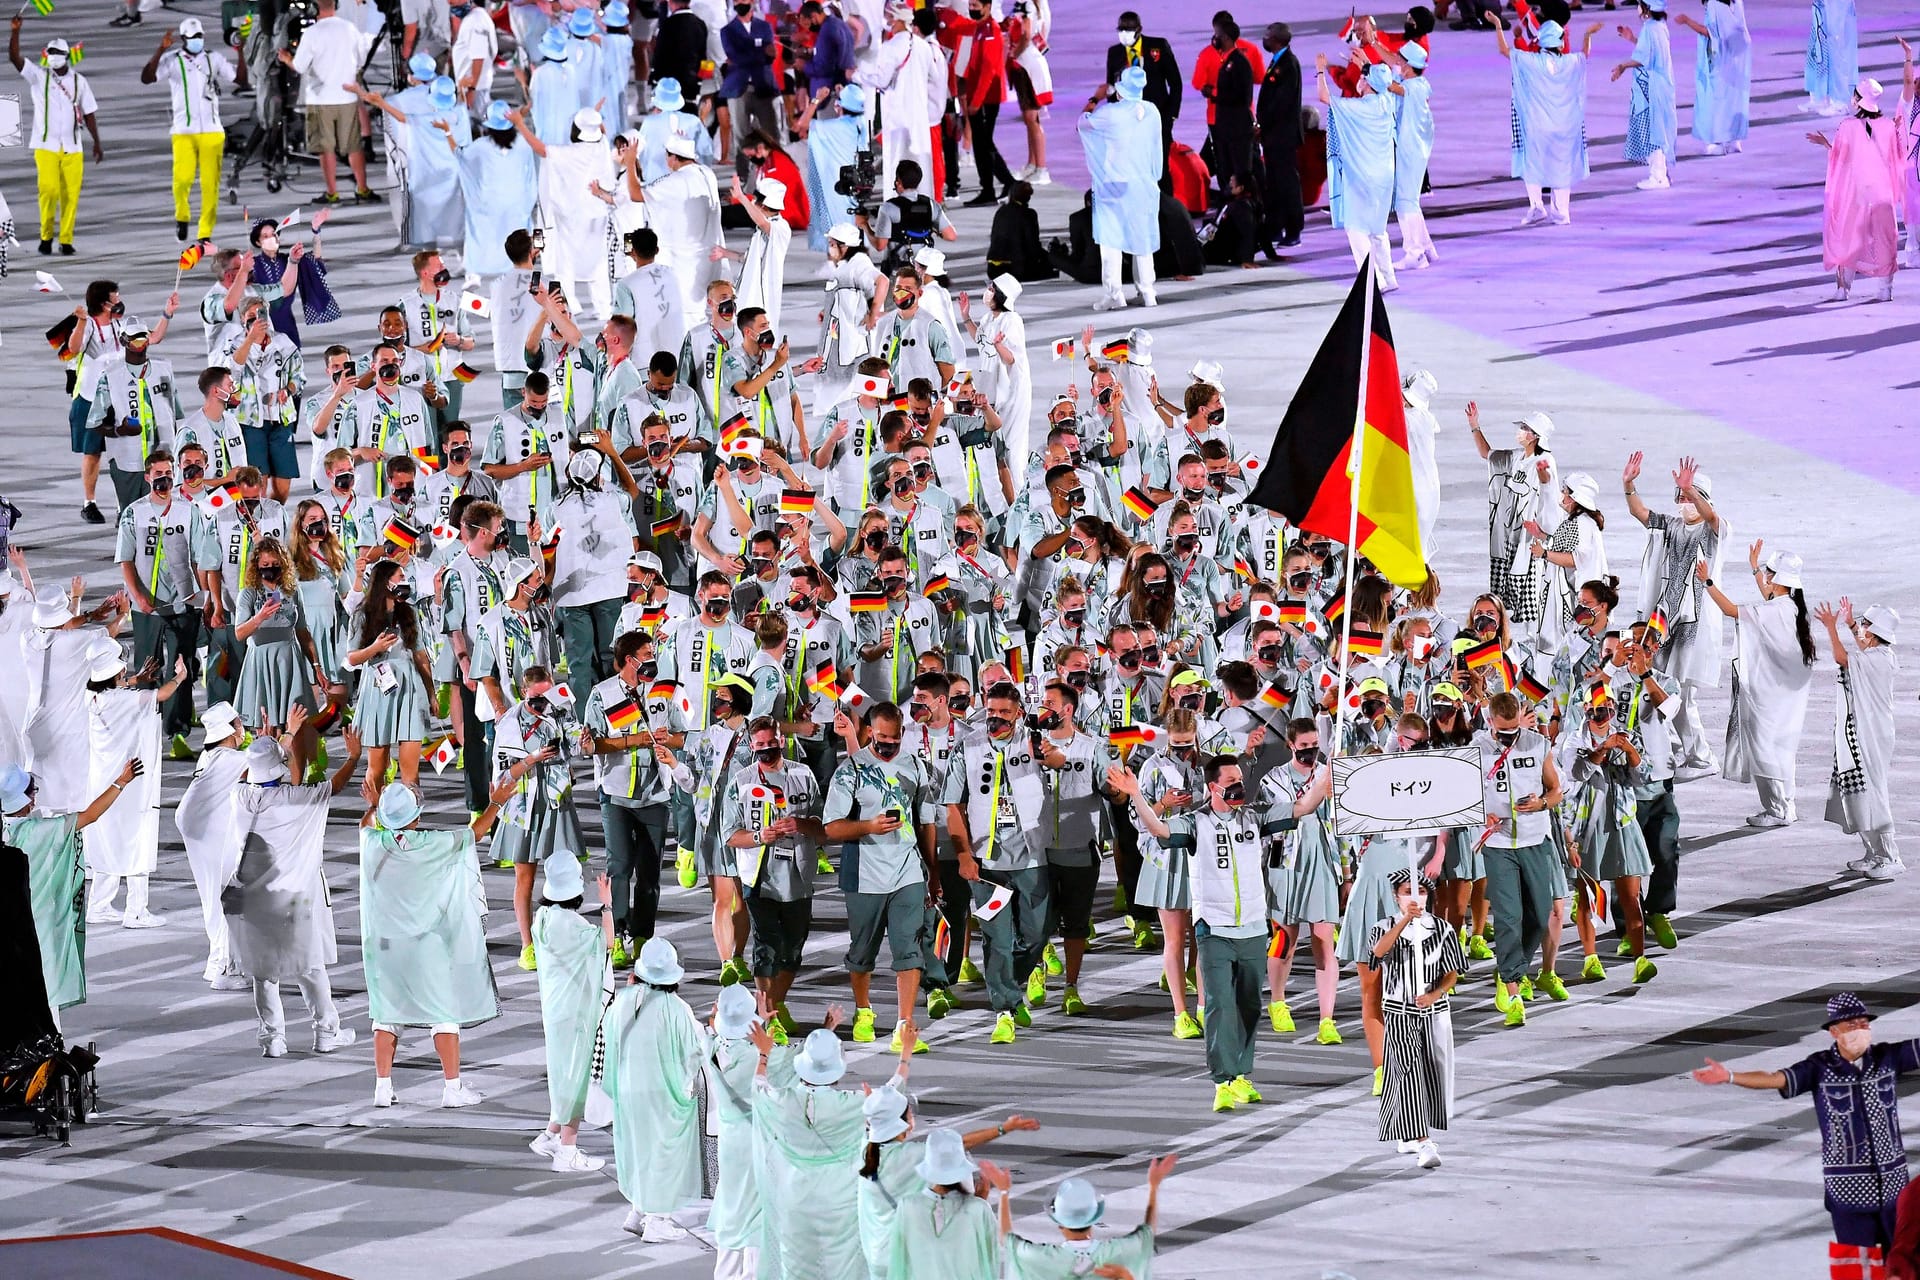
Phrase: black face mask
(726, 309)
(341, 483)
(161, 484)
(964, 538)
(1234, 794)
(400, 593)
(1130, 660)
(459, 453)
(1306, 755)
(1506, 737)
(388, 372)
(1074, 617)
(271, 573)
(1047, 720)
(1219, 480)
(191, 472)
(1443, 710)
(1216, 416)
(1300, 581)
(658, 448)
(1192, 495)
(1150, 656)
(1184, 753)
(1104, 396)
(402, 494)
(1485, 624)
(1076, 498)
(722, 709)
(1372, 707)
(875, 540)
(1599, 715)
(649, 669)
(317, 532)
(999, 726)
(500, 539)
(766, 338)
(799, 603)
(767, 755)
(538, 704)
(1186, 544)
(903, 486)
(716, 607)
(1582, 614)
(958, 703)
(441, 277)
(893, 586)
(1078, 679)
(884, 750)
(1192, 702)
(1269, 654)
(249, 507)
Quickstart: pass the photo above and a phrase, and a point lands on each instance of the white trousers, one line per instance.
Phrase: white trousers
(1657, 166)
(1362, 244)
(102, 890)
(1562, 199)
(1880, 842)
(1413, 230)
(1776, 796)
(314, 989)
(736, 1264)
(1110, 275)
(1695, 751)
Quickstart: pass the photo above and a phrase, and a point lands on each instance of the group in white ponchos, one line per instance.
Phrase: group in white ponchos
(1861, 800)
(208, 823)
(1772, 672)
(433, 212)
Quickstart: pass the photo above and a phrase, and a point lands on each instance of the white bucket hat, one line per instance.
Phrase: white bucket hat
(1585, 490)
(218, 722)
(588, 122)
(1882, 622)
(1785, 567)
(886, 1112)
(736, 1013)
(931, 261)
(266, 762)
(820, 1061)
(1869, 91)
(1009, 288)
(1538, 423)
(15, 782)
(682, 147)
(52, 609)
(399, 806)
(1420, 385)
(1076, 1205)
(772, 193)
(563, 881)
(845, 233)
(659, 963)
(105, 660)
(946, 1163)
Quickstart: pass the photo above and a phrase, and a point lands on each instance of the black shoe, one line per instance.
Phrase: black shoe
(1287, 242)
(91, 514)
(180, 231)
(46, 248)
(125, 20)
(368, 197)
(66, 249)
(981, 201)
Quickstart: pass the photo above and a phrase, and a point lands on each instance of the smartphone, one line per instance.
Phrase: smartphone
(535, 282)
(589, 437)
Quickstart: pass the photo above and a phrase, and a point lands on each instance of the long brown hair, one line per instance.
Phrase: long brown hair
(250, 571)
(378, 611)
(306, 552)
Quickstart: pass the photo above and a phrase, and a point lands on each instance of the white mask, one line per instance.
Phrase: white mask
(57, 63)
(1125, 36)
(1689, 512)
(1854, 1043)
(269, 245)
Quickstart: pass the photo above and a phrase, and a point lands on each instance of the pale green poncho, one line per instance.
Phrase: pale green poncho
(809, 1140)
(654, 1051)
(951, 1236)
(573, 957)
(881, 1196)
(423, 932)
(735, 1220)
(1061, 1260)
(56, 878)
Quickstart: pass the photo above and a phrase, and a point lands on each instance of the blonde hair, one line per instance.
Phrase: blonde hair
(250, 572)
(331, 553)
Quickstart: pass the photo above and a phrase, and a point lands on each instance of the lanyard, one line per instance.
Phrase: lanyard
(431, 315)
(159, 554)
(389, 418)
(993, 803)
(869, 426)
(893, 687)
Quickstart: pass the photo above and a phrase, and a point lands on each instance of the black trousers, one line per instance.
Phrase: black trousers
(636, 841)
(956, 907)
(477, 758)
(950, 150)
(1126, 853)
(986, 153)
(167, 636)
(1281, 173)
(1659, 820)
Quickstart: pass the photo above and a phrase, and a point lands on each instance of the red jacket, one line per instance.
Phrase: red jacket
(985, 80)
(1206, 68)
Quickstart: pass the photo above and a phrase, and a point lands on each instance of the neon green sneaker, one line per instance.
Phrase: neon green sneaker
(1592, 970)
(776, 1032)
(1200, 1016)
(1549, 982)
(919, 1044)
(939, 1004)
(1526, 988)
(621, 956)
(1488, 931)
(1243, 1090)
(1185, 1028)
(1623, 948)
(1071, 1004)
(785, 1019)
(685, 868)
(1093, 932)
(1280, 1017)
(1517, 1013)
(1328, 1033)
(730, 973)
(1162, 980)
(1002, 1029)
(1050, 960)
(1023, 1015)
(863, 1026)
(1193, 986)
(1477, 948)
(1224, 1098)
(823, 865)
(443, 699)
(178, 748)
(1379, 1080)
(1037, 987)
(1120, 900)
(1662, 930)
(970, 975)
(527, 959)
(1144, 938)
(1643, 970)
(1503, 1000)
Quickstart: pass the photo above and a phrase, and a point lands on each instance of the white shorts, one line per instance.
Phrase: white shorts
(439, 1028)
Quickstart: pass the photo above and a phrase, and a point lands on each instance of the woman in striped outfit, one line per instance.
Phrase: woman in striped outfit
(1419, 960)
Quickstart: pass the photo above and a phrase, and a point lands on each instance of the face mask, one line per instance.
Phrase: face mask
(1216, 416)
(726, 309)
(1689, 512)
(538, 704)
(999, 727)
(743, 9)
(964, 537)
(1234, 794)
(195, 44)
(1854, 1043)
(1506, 737)
(658, 448)
(903, 486)
(893, 586)
(722, 709)
(1269, 654)
(117, 310)
(1582, 614)
(649, 668)
(57, 63)
(533, 412)
(1157, 587)
(1073, 617)
(1183, 752)
(1076, 498)
(1150, 656)
(1047, 720)
(1372, 708)
(767, 755)
(1192, 701)
(341, 483)
(388, 372)
(161, 484)
(958, 703)
(192, 472)
(400, 593)
(271, 572)
(459, 453)
(249, 507)
(1125, 36)
(1485, 624)
(441, 276)
(766, 338)
(799, 603)
(136, 353)
(716, 607)
(402, 494)
(1186, 544)
(884, 750)
(1443, 710)
(903, 299)
(1306, 755)
(1078, 679)
(1128, 661)
(316, 532)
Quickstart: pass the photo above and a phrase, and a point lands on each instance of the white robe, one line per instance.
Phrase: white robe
(209, 825)
(909, 71)
(277, 906)
(1693, 656)
(56, 671)
(1422, 427)
(123, 725)
(575, 218)
(683, 209)
(1563, 584)
(1009, 387)
(1770, 693)
(15, 626)
(1866, 698)
(763, 268)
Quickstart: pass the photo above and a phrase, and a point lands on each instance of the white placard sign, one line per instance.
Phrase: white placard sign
(1411, 793)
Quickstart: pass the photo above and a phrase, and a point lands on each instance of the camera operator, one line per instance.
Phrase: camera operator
(327, 57)
(906, 221)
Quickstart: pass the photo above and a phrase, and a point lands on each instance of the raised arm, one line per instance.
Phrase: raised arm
(1830, 618)
(1628, 475)
(1500, 32)
(1703, 571)
(519, 118)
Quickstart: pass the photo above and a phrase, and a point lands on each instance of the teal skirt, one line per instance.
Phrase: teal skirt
(384, 717)
(320, 607)
(1464, 859)
(273, 680)
(1164, 883)
(1370, 900)
(1305, 888)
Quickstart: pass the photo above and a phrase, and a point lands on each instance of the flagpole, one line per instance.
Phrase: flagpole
(1355, 457)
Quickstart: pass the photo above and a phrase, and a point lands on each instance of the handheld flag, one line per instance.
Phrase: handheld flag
(730, 429)
(796, 502)
(1136, 500)
(1483, 654)
(666, 525)
(1340, 456)
(1291, 613)
(1065, 348)
(401, 534)
(942, 936)
(1366, 644)
(464, 372)
(223, 497)
(1529, 688)
(43, 7)
(661, 688)
(996, 903)
(866, 602)
(191, 255)
(476, 305)
(1119, 351)
(623, 715)
(826, 681)
(43, 282)
(1657, 628)
(938, 582)
(427, 458)
(293, 219)
(877, 385)
(1016, 659)
(1274, 696)
(1281, 944)
(652, 615)
(443, 755)
(854, 698)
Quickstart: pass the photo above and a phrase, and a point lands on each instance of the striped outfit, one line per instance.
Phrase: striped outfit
(1416, 1095)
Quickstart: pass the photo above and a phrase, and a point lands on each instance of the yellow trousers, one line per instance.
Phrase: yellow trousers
(203, 151)
(59, 173)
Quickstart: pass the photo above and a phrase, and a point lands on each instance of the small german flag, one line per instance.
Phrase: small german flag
(402, 535)
(1241, 567)
(624, 714)
(867, 602)
(1274, 696)
(730, 429)
(938, 582)
(323, 719)
(426, 454)
(1128, 735)
(1657, 627)
(1336, 607)
(1366, 644)
(1529, 688)
(464, 372)
(1136, 500)
(825, 681)
(1281, 944)
(1484, 654)
(796, 502)
(1119, 351)
(942, 936)
(1291, 611)
(1017, 664)
(652, 615)
(661, 689)
(191, 255)
(225, 496)
(665, 526)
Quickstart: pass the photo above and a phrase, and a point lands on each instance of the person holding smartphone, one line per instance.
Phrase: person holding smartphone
(280, 667)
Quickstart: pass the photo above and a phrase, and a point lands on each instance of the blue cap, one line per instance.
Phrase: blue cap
(1415, 54)
(15, 782)
(1654, 6)
(615, 14)
(667, 95)
(581, 23)
(853, 99)
(399, 807)
(1379, 76)
(1552, 35)
(1133, 83)
(497, 116)
(441, 92)
(421, 66)
(553, 45)
(1076, 1205)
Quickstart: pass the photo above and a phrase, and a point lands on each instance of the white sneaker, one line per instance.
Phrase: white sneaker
(1695, 772)
(1410, 262)
(547, 1144)
(326, 1040)
(658, 1228)
(1534, 216)
(1405, 1147)
(1885, 869)
(574, 1160)
(1863, 862)
(1766, 821)
(1427, 1155)
(1149, 299)
(1652, 184)
(1107, 302)
(1739, 147)
(1885, 292)
(383, 1091)
(1840, 294)
(103, 915)
(1023, 173)
(274, 1048)
(1040, 178)
(1389, 282)
(231, 982)
(1714, 149)
(636, 1222)
(455, 1093)
(142, 919)
(1560, 219)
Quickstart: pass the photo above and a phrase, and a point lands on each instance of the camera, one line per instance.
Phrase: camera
(861, 180)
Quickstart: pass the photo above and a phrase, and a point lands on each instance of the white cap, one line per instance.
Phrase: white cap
(885, 1110)
(646, 560)
(218, 722)
(772, 192)
(1585, 490)
(1419, 388)
(930, 260)
(191, 27)
(820, 1061)
(1009, 288)
(735, 1013)
(104, 662)
(682, 147)
(1140, 348)
(266, 762)
(946, 1163)
(1785, 567)
(518, 571)
(51, 609)
(1538, 423)
(1703, 485)
(659, 963)
(588, 122)
(563, 882)
(846, 233)
(1882, 622)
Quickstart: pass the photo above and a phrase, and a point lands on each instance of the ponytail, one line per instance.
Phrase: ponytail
(1800, 627)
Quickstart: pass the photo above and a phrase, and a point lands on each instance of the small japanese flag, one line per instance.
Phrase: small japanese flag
(1326, 679)
(961, 381)
(1263, 610)
(561, 694)
(996, 903)
(685, 703)
(759, 793)
(1353, 699)
(1314, 626)
(443, 533)
(1064, 348)
(443, 755)
(475, 305)
(877, 385)
(1251, 465)
(43, 282)
(855, 698)
(293, 219)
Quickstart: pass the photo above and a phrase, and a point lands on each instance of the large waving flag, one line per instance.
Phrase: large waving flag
(1310, 476)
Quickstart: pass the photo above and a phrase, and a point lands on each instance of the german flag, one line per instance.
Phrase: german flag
(730, 429)
(1242, 568)
(1315, 477)
(1136, 500)
(190, 258)
(464, 372)
(666, 525)
(1281, 944)
(1366, 644)
(938, 582)
(867, 602)
(623, 715)
(1274, 696)
(1291, 611)
(402, 535)
(1657, 628)
(1128, 735)
(425, 454)
(1529, 688)
(1119, 351)
(1016, 659)
(1484, 654)
(796, 502)
(825, 681)
(661, 689)
(651, 616)
(942, 935)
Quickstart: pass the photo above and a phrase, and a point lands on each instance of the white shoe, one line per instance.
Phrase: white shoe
(1841, 293)
(1430, 254)
(103, 915)
(1695, 772)
(383, 1092)
(1767, 821)
(658, 1228)
(1428, 1155)
(455, 1093)
(547, 1144)
(1738, 147)
(1405, 1147)
(1885, 869)
(1107, 302)
(142, 919)
(574, 1160)
(1652, 184)
(1023, 173)
(1040, 178)
(1560, 219)
(635, 1223)
(1832, 108)
(1714, 149)
(1148, 299)
(1885, 292)
(231, 982)
(326, 1040)
(1863, 862)
(1808, 105)
(1389, 282)
(274, 1048)
(1534, 216)
(1410, 262)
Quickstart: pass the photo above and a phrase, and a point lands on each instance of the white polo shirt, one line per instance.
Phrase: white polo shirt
(193, 83)
(59, 103)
